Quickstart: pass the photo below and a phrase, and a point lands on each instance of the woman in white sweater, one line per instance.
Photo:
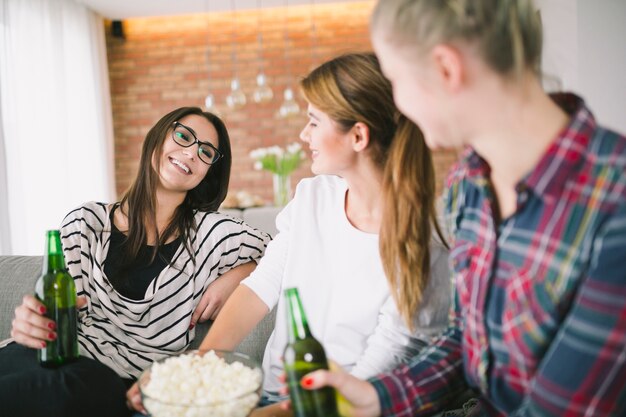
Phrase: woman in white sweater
(328, 242)
(328, 236)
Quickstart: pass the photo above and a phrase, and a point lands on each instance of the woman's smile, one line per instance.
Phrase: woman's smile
(181, 166)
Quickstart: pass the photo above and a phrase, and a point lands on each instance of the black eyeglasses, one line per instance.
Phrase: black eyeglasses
(186, 137)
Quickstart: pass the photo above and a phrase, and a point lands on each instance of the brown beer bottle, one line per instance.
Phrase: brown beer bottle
(57, 291)
(304, 354)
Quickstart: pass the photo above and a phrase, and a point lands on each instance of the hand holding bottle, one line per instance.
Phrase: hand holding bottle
(355, 397)
(303, 354)
(30, 326)
(55, 288)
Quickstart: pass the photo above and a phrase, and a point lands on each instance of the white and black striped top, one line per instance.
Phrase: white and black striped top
(128, 335)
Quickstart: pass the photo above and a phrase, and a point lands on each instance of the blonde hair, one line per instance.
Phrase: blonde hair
(349, 89)
(507, 33)
(409, 217)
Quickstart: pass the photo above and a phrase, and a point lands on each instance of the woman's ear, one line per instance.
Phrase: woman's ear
(449, 66)
(360, 136)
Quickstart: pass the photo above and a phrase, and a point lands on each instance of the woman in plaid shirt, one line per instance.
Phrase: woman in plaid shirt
(537, 212)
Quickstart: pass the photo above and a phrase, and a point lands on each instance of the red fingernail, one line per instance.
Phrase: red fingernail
(51, 325)
(52, 336)
(191, 326)
(43, 344)
(42, 310)
(307, 382)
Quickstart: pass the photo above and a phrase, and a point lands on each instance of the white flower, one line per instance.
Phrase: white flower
(278, 160)
(275, 150)
(294, 148)
(258, 153)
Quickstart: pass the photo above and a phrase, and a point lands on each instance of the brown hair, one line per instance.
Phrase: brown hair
(507, 32)
(351, 88)
(141, 196)
(410, 215)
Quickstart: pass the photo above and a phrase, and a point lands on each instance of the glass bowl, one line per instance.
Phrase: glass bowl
(200, 384)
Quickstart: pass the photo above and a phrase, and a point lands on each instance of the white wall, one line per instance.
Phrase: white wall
(585, 49)
(602, 59)
(560, 49)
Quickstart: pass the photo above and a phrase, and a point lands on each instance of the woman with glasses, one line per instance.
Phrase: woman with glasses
(141, 267)
(331, 235)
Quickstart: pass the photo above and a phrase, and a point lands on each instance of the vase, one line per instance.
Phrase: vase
(282, 189)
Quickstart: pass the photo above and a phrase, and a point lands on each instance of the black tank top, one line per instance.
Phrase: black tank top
(133, 281)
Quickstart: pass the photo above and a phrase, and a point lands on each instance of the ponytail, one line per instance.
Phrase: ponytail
(409, 216)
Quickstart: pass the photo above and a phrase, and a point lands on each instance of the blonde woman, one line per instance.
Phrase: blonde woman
(537, 210)
(328, 236)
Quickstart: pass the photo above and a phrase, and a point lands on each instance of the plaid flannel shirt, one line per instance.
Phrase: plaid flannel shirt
(539, 324)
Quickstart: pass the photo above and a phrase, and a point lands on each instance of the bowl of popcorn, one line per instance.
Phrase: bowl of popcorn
(196, 383)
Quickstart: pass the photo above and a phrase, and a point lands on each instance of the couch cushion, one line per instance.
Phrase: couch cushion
(262, 218)
(253, 345)
(18, 275)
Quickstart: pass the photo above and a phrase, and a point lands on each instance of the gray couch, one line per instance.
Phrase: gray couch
(19, 273)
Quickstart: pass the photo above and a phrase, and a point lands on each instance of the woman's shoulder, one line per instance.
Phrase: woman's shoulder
(215, 228)
(221, 224)
(210, 219)
(91, 212)
(321, 184)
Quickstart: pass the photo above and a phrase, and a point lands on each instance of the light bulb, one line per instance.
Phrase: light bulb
(236, 99)
(290, 107)
(209, 105)
(262, 93)
(209, 102)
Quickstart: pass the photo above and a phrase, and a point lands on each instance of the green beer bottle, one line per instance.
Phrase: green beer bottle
(304, 354)
(56, 290)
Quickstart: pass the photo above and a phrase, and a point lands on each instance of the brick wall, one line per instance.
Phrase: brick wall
(162, 64)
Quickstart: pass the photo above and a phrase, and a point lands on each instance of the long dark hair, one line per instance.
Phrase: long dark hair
(139, 202)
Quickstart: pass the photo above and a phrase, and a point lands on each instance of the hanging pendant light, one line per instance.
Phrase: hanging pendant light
(289, 107)
(210, 104)
(209, 100)
(236, 98)
(262, 93)
(313, 34)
